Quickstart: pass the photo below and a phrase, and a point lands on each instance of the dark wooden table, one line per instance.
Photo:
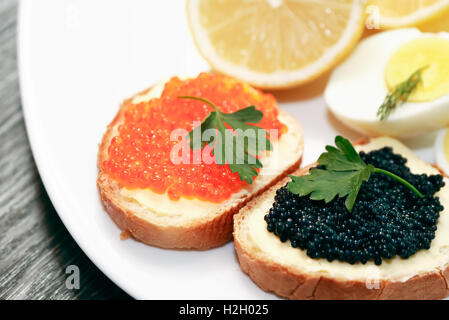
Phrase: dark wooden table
(35, 247)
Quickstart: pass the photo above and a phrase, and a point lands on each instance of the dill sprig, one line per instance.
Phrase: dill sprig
(400, 94)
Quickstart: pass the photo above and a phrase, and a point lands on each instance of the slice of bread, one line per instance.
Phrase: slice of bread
(279, 268)
(189, 224)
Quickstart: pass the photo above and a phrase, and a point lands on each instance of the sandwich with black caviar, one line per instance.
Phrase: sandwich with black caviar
(364, 222)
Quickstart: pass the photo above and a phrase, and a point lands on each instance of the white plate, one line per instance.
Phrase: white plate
(78, 60)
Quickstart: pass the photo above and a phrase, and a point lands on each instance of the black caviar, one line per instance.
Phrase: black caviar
(388, 219)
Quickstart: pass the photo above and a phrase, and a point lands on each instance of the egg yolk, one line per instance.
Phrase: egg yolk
(432, 53)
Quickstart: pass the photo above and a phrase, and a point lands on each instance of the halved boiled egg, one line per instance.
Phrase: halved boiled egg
(442, 150)
(358, 87)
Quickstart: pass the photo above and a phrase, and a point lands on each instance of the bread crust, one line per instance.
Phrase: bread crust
(203, 234)
(293, 283)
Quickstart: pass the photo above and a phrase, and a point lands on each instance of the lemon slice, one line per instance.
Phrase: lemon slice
(275, 43)
(405, 13)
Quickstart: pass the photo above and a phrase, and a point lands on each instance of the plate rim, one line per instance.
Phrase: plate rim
(23, 26)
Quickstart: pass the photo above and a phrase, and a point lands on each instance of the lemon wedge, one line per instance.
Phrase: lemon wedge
(275, 43)
(405, 13)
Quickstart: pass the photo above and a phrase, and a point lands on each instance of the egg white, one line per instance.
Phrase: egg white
(440, 155)
(357, 88)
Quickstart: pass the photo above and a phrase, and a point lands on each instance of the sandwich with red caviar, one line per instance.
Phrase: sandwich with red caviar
(369, 221)
(179, 159)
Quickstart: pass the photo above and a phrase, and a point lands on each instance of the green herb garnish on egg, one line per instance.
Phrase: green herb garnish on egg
(400, 94)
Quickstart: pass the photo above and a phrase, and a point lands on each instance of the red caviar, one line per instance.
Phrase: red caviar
(139, 155)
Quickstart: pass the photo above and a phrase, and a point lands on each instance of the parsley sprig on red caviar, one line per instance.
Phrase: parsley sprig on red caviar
(246, 163)
(343, 174)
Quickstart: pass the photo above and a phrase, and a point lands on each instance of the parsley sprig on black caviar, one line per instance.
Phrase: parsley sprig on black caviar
(341, 172)
(244, 164)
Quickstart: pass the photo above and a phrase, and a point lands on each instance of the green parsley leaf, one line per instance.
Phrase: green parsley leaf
(344, 173)
(244, 163)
